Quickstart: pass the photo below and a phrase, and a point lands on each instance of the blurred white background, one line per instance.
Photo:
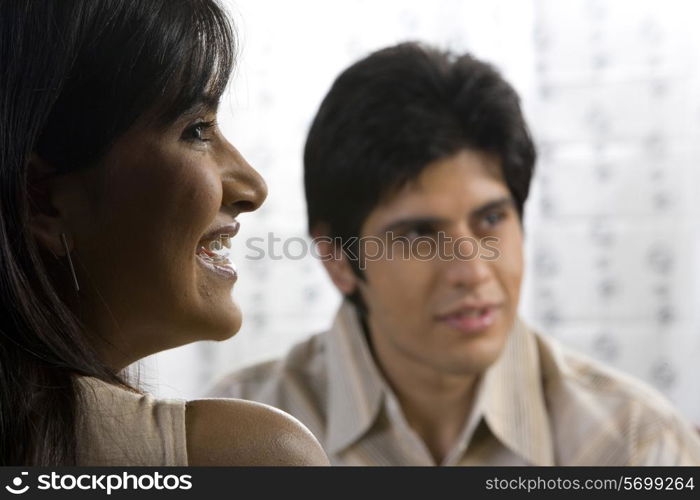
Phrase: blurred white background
(611, 89)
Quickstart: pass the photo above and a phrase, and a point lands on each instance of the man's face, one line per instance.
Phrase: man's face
(444, 306)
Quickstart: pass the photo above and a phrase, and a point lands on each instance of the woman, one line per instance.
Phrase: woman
(116, 184)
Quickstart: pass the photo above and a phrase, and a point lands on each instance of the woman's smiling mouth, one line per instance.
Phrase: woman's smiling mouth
(214, 251)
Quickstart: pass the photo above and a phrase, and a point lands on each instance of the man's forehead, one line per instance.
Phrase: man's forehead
(447, 182)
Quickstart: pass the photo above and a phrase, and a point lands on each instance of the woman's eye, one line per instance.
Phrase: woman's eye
(199, 131)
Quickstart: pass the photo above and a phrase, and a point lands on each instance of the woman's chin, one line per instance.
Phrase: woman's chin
(227, 333)
(213, 323)
(229, 326)
(219, 317)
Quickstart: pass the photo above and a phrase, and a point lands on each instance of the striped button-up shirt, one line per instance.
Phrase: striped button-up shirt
(538, 404)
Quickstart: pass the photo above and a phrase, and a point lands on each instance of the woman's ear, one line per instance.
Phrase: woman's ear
(46, 215)
(336, 263)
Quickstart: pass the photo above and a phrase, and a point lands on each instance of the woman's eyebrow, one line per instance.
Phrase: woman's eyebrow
(204, 104)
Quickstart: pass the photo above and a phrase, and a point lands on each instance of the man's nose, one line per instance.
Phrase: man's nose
(465, 266)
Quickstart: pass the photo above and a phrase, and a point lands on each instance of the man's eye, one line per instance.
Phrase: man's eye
(418, 231)
(492, 219)
(199, 131)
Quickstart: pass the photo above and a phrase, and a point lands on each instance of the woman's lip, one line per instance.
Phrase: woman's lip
(472, 324)
(230, 230)
(226, 271)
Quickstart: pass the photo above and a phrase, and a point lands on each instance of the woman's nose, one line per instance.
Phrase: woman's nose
(243, 187)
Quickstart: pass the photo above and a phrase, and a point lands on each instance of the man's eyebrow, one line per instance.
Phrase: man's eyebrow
(412, 222)
(505, 202)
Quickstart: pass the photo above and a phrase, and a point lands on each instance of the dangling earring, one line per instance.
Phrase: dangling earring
(70, 262)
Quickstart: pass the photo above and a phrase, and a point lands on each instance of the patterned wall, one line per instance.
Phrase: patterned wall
(611, 89)
(613, 225)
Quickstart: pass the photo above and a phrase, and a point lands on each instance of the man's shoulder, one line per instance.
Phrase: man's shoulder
(303, 364)
(589, 402)
(598, 384)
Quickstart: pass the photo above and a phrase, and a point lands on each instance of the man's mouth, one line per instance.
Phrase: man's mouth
(473, 318)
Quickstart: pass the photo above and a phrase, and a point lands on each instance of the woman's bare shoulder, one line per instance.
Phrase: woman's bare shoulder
(238, 432)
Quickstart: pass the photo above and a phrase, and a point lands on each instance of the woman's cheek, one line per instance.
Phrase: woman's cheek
(201, 196)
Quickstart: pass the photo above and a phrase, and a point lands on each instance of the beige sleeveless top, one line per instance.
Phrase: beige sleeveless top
(122, 428)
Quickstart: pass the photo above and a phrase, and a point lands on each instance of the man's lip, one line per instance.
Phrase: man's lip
(467, 307)
(230, 230)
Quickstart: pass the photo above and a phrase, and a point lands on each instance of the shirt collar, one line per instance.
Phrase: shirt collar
(514, 403)
(510, 395)
(355, 385)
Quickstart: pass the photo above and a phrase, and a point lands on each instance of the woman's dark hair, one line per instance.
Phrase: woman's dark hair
(74, 76)
(392, 113)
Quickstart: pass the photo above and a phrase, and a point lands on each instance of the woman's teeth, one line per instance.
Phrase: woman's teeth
(216, 251)
(207, 256)
(215, 255)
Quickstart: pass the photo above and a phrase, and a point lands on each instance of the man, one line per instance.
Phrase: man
(417, 168)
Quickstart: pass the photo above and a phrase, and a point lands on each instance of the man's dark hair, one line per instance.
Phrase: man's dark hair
(394, 112)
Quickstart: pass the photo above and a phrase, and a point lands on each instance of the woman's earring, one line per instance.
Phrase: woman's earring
(70, 262)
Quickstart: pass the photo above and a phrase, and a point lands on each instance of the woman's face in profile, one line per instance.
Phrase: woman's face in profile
(144, 215)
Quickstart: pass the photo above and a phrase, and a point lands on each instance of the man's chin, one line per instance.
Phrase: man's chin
(478, 357)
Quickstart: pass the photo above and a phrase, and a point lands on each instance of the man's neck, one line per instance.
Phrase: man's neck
(437, 415)
(435, 404)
